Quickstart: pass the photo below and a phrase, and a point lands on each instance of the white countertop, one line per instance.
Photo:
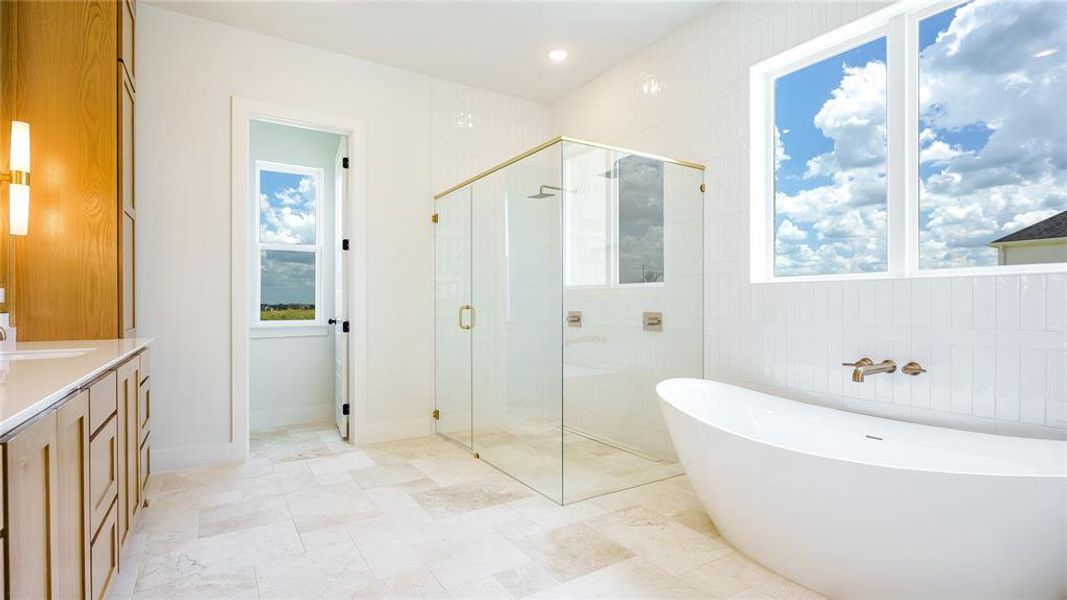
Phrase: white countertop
(29, 386)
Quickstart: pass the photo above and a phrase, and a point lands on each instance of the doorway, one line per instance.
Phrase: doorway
(297, 258)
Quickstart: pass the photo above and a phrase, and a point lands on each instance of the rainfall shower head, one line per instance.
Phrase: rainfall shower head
(545, 194)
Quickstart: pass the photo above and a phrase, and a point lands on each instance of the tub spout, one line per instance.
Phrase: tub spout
(863, 370)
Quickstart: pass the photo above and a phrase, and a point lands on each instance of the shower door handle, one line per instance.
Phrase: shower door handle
(462, 325)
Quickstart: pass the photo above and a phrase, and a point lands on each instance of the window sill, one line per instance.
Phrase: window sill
(287, 331)
(991, 271)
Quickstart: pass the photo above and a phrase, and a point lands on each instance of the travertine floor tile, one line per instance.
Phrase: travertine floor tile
(309, 516)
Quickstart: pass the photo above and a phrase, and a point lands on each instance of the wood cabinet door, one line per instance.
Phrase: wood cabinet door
(128, 205)
(104, 555)
(103, 472)
(144, 409)
(73, 444)
(32, 510)
(129, 449)
(3, 583)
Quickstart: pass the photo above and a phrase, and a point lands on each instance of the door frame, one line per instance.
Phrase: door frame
(244, 110)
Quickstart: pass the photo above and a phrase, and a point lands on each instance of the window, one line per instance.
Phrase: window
(993, 134)
(830, 165)
(288, 244)
(912, 142)
(614, 219)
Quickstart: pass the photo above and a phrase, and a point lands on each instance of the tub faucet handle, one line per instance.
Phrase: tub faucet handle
(913, 368)
(863, 362)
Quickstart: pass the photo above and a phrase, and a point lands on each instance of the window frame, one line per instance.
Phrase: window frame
(258, 246)
(899, 24)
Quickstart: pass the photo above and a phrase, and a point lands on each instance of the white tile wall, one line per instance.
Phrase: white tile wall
(995, 347)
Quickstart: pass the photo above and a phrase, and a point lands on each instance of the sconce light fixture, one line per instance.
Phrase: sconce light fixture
(19, 178)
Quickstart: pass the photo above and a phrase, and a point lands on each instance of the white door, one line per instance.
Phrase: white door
(340, 299)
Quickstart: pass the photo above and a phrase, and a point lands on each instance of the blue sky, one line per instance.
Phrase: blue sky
(287, 216)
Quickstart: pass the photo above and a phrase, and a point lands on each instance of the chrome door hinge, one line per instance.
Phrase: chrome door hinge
(434, 218)
(436, 415)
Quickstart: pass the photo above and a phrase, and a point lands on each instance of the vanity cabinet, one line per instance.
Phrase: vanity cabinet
(31, 511)
(75, 478)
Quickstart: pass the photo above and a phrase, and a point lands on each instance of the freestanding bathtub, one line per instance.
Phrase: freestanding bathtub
(855, 506)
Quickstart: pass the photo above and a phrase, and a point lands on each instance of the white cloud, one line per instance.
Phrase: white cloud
(289, 217)
(839, 227)
(983, 71)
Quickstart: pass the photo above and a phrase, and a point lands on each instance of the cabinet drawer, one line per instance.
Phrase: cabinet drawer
(103, 401)
(104, 555)
(146, 468)
(144, 409)
(103, 471)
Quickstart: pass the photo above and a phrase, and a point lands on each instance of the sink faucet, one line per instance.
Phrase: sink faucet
(866, 366)
(3, 334)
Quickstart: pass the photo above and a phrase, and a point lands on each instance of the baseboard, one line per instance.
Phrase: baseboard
(290, 415)
(172, 459)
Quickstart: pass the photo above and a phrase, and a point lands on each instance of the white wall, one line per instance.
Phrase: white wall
(291, 377)
(995, 347)
(188, 70)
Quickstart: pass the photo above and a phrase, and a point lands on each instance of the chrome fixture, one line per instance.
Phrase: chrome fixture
(866, 366)
(574, 318)
(913, 368)
(3, 334)
(652, 321)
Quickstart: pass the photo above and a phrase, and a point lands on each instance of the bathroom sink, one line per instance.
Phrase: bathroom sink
(43, 354)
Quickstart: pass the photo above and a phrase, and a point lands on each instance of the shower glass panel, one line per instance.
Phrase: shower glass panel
(452, 283)
(569, 282)
(517, 347)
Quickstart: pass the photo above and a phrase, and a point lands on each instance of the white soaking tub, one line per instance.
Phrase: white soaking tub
(863, 507)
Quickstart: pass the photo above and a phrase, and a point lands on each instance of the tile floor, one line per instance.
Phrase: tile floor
(530, 451)
(309, 516)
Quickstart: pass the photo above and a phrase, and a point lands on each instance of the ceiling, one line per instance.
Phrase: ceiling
(499, 46)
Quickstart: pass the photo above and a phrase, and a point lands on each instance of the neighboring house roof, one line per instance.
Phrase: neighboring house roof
(1051, 228)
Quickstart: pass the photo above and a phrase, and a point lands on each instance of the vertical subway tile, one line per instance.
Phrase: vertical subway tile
(883, 302)
(1008, 308)
(985, 316)
(920, 385)
(962, 303)
(982, 383)
(1056, 302)
(920, 302)
(1056, 396)
(1007, 383)
(1032, 386)
(902, 303)
(1032, 302)
(940, 372)
(962, 371)
(941, 302)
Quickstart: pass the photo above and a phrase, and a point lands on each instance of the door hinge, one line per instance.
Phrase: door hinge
(436, 415)
(344, 326)
(344, 244)
(344, 163)
(344, 409)
(434, 218)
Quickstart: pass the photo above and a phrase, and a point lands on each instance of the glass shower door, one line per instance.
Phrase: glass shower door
(453, 315)
(516, 287)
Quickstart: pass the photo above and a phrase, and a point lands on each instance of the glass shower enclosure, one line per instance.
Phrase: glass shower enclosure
(568, 282)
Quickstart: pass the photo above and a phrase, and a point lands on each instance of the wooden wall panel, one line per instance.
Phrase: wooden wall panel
(65, 86)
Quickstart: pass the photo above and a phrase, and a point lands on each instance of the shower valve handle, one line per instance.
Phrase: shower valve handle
(863, 362)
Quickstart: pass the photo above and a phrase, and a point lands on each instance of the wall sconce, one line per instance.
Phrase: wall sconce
(19, 178)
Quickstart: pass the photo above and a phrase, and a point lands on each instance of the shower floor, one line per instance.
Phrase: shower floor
(532, 452)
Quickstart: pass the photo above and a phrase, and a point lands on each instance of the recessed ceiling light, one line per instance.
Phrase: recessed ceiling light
(557, 55)
(1046, 52)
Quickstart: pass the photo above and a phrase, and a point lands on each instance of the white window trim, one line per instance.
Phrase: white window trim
(305, 327)
(899, 23)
